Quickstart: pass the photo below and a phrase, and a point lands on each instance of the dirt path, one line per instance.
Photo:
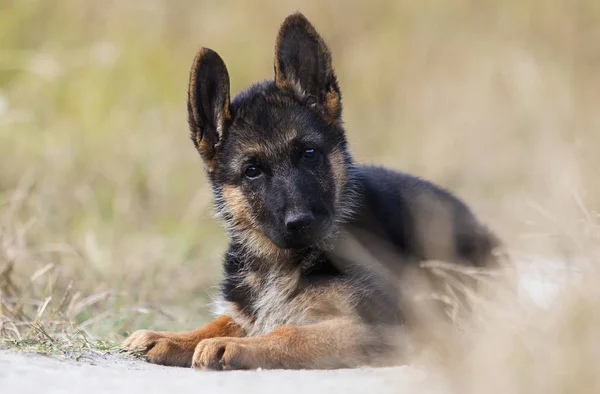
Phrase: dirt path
(27, 373)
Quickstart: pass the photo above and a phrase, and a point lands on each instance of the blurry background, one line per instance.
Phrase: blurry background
(105, 214)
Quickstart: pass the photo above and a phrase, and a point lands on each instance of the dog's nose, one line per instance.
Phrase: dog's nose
(298, 221)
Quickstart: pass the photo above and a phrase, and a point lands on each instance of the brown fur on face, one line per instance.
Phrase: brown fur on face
(243, 223)
(245, 227)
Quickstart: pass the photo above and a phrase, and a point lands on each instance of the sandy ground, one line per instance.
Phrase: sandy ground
(29, 373)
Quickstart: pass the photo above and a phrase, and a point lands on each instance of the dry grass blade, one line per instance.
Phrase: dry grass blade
(42, 271)
(42, 309)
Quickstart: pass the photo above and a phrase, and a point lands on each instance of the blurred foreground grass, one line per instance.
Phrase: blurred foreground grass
(104, 210)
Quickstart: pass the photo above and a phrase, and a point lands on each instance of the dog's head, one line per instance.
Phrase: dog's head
(276, 154)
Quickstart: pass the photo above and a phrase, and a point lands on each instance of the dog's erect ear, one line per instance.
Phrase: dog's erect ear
(303, 62)
(208, 103)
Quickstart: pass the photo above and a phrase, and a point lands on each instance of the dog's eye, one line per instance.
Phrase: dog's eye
(311, 100)
(252, 172)
(309, 153)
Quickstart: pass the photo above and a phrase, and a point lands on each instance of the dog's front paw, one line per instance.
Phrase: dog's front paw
(224, 354)
(161, 347)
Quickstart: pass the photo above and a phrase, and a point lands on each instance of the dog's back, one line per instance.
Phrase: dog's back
(401, 222)
(419, 220)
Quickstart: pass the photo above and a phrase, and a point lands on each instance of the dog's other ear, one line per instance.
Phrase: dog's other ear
(303, 62)
(208, 103)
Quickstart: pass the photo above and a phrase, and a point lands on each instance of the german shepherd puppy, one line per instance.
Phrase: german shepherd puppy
(314, 236)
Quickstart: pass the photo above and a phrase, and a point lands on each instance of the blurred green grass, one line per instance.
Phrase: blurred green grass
(103, 202)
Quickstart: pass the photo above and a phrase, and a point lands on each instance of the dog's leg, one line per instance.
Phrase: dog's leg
(336, 343)
(177, 348)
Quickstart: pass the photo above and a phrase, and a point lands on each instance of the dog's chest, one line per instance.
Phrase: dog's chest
(262, 301)
(281, 298)
(277, 299)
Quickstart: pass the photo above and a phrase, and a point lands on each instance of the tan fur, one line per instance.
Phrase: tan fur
(338, 167)
(177, 349)
(333, 106)
(251, 149)
(253, 280)
(237, 205)
(290, 135)
(255, 239)
(323, 345)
